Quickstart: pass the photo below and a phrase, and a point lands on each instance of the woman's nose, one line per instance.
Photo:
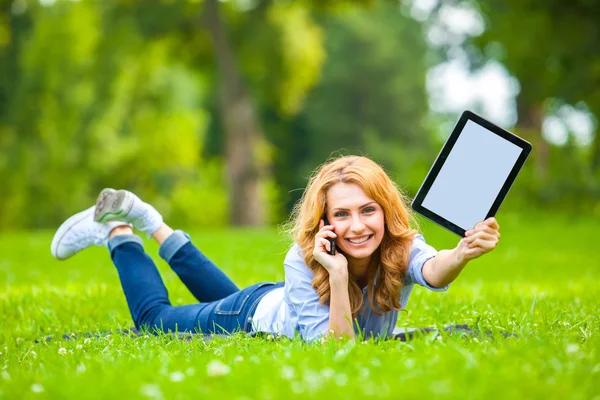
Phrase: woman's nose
(357, 225)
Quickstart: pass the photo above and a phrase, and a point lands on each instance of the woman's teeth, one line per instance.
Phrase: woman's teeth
(359, 240)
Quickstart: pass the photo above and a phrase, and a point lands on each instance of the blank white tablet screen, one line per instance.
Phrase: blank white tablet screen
(472, 176)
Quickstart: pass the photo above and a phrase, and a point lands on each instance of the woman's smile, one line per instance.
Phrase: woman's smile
(359, 240)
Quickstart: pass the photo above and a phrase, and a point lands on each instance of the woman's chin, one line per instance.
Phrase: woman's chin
(359, 253)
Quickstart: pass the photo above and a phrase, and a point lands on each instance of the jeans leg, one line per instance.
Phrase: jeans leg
(144, 289)
(146, 293)
(201, 276)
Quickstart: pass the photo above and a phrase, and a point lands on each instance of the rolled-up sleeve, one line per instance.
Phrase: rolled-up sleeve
(311, 317)
(420, 252)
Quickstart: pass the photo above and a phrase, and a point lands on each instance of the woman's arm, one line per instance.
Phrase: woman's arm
(340, 314)
(448, 264)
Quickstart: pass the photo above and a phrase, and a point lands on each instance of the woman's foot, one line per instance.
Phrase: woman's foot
(79, 232)
(125, 206)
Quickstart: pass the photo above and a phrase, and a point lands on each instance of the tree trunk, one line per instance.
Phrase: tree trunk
(243, 134)
(530, 119)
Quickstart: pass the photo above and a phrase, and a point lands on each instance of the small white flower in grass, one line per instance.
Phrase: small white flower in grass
(238, 359)
(327, 373)
(151, 390)
(217, 368)
(476, 340)
(288, 373)
(79, 347)
(270, 337)
(37, 388)
(5, 375)
(177, 376)
(572, 348)
(62, 351)
(87, 341)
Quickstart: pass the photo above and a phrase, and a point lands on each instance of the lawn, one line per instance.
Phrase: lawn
(542, 283)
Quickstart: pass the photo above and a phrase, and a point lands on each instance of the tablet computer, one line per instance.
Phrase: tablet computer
(471, 175)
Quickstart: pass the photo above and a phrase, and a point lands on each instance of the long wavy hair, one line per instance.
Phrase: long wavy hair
(389, 262)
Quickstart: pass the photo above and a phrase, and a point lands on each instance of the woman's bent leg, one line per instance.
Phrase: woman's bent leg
(145, 291)
(202, 277)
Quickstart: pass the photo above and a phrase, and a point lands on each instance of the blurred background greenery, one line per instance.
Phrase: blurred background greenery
(217, 111)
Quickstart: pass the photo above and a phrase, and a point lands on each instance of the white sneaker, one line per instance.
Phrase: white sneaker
(79, 232)
(126, 206)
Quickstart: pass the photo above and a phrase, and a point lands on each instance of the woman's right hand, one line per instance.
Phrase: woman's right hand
(336, 265)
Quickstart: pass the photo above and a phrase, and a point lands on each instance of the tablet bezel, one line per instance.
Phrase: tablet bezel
(526, 147)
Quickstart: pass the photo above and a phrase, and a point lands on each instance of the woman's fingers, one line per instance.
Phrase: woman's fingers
(482, 230)
(325, 244)
(483, 235)
(326, 234)
(483, 244)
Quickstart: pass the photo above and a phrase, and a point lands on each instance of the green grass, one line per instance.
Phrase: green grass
(542, 283)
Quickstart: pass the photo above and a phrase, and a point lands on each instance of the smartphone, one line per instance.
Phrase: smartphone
(331, 240)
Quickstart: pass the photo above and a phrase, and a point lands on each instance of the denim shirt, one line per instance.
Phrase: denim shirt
(305, 314)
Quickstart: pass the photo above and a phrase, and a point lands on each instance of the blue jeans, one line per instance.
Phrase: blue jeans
(223, 308)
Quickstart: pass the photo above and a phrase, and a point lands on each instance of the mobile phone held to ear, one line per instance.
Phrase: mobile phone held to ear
(331, 240)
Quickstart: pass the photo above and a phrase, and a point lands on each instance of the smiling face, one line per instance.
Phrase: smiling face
(358, 220)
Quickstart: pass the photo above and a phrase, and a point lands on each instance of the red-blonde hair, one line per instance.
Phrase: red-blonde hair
(390, 261)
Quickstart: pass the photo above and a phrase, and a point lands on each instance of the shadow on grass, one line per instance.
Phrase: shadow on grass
(401, 334)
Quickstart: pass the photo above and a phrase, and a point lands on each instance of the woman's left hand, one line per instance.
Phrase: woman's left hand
(482, 239)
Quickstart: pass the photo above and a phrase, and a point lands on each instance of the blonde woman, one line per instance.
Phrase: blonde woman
(360, 287)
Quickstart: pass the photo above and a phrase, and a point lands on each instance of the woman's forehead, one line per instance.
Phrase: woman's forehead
(346, 195)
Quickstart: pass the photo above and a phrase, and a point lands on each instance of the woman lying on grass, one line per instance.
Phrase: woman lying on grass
(362, 287)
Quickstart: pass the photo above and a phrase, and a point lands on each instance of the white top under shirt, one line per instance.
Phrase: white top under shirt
(296, 307)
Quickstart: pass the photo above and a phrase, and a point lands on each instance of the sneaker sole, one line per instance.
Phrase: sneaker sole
(112, 204)
(65, 228)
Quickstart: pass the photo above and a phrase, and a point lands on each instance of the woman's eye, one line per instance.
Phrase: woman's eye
(340, 214)
(369, 210)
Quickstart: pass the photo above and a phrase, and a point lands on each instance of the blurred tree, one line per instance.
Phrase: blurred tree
(114, 101)
(95, 104)
(244, 137)
(371, 99)
(552, 48)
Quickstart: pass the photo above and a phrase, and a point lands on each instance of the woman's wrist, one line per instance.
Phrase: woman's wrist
(339, 278)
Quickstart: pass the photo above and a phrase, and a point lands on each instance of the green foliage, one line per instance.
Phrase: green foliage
(97, 105)
(371, 98)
